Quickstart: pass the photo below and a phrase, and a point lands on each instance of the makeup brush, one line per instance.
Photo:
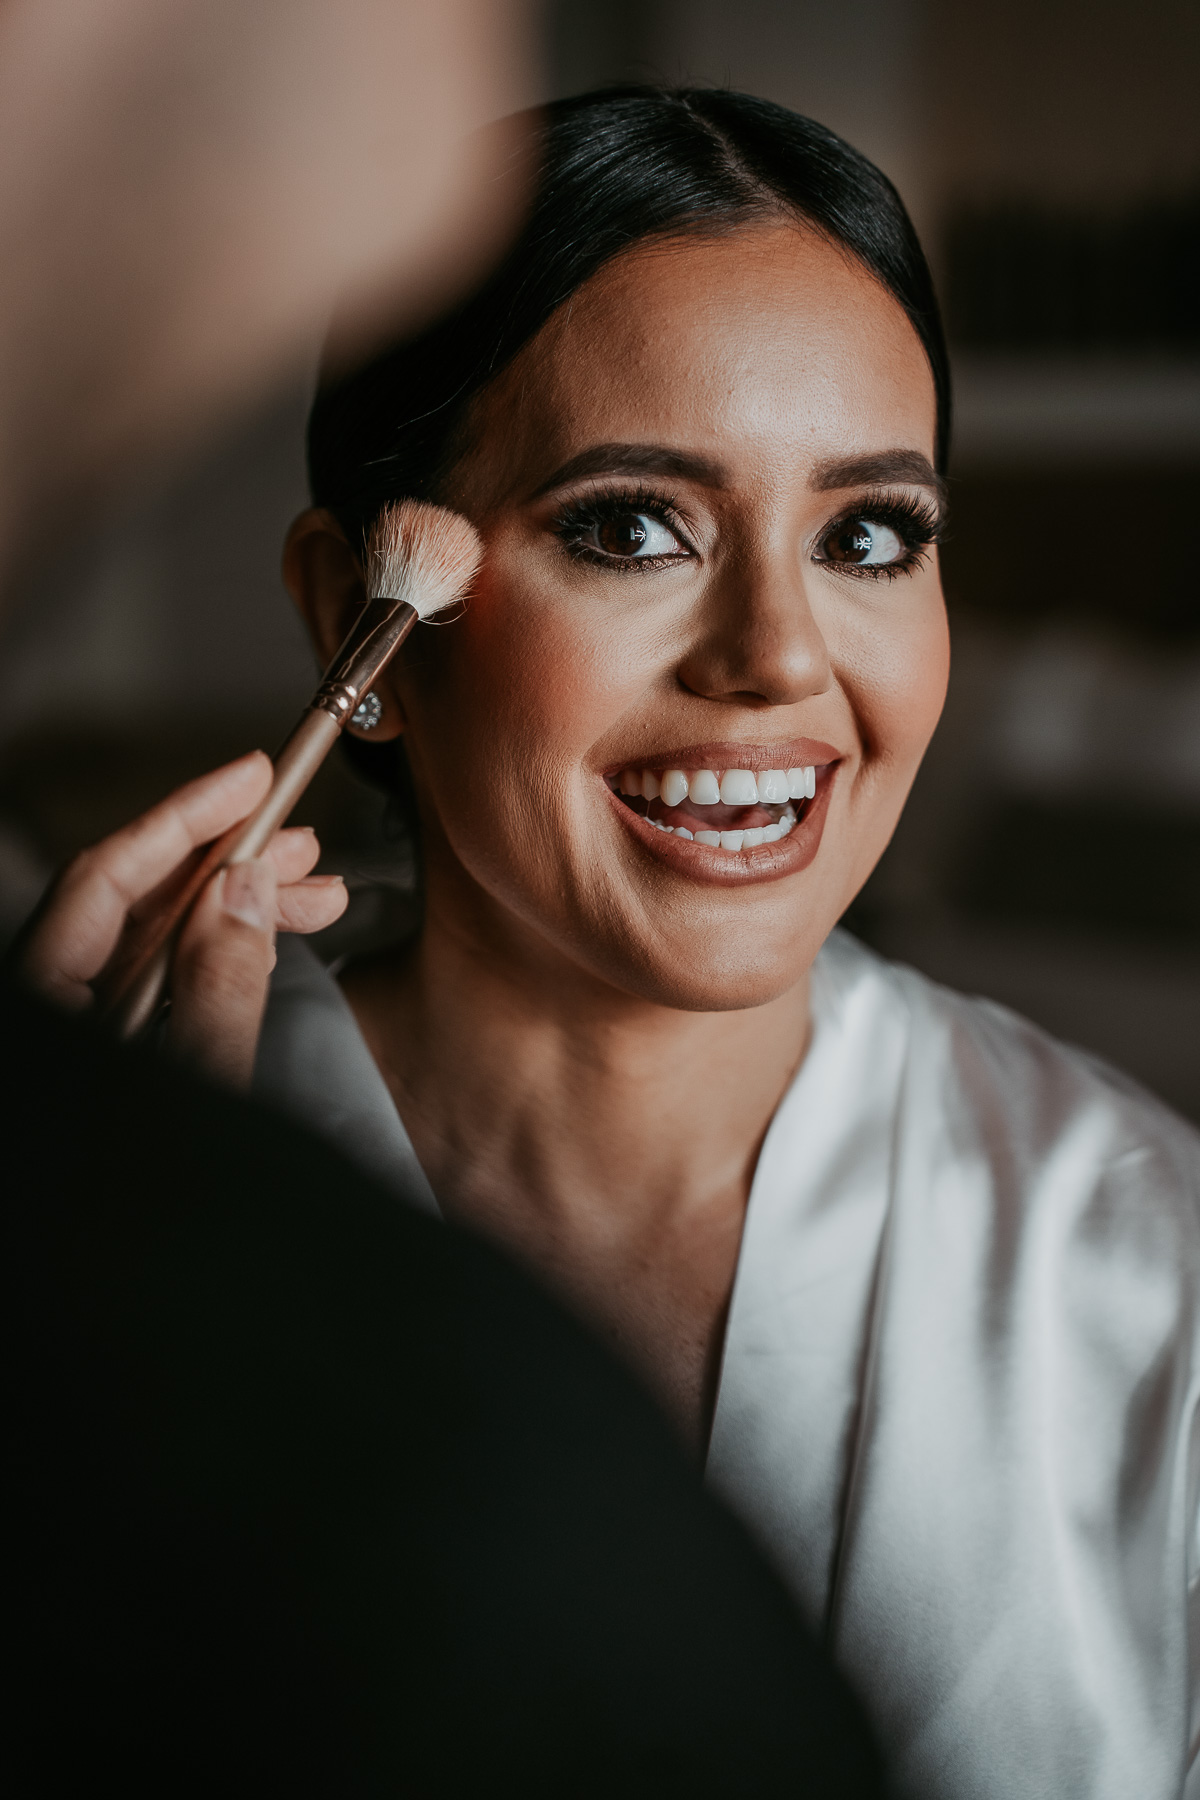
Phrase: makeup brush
(420, 559)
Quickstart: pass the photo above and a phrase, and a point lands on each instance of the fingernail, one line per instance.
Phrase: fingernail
(242, 762)
(322, 881)
(249, 895)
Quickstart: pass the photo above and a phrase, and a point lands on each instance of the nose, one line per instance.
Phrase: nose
(758, 643)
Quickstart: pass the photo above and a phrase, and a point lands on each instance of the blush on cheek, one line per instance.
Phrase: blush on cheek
(538, 666)
(897, 685)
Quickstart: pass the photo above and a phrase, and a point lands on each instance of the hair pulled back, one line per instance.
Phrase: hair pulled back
(617, 167)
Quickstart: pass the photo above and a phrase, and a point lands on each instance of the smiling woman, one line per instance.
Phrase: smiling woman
(919, 1285)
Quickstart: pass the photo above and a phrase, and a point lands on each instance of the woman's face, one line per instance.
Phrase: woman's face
(706, 495)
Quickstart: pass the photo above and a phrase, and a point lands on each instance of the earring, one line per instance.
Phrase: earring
(367, 713)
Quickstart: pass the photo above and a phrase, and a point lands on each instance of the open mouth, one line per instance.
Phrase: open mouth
(735, 810)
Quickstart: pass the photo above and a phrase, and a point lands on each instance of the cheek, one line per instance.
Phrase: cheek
(894, 666)
(528, 680)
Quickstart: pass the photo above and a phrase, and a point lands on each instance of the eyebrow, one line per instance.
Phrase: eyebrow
(877, 468)
(634, 459)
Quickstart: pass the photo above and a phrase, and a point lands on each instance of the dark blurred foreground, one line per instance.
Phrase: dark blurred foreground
(310, 1495)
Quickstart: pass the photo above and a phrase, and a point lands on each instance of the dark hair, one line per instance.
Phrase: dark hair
(616, 167)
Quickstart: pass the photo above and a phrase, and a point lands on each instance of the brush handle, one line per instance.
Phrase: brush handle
(132, 989)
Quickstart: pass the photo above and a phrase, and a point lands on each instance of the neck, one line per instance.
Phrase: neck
(605, 1139)
(516, 1056)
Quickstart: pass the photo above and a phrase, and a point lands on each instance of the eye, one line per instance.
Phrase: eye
(631, 530)
(632, 534)
(864, 542)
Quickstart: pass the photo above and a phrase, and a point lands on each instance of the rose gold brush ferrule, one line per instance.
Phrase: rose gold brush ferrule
(133, 987)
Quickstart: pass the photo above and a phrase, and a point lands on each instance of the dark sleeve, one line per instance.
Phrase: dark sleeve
(316, 1496)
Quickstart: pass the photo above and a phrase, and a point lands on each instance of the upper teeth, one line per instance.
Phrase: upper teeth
(728, 787)
(731, 787)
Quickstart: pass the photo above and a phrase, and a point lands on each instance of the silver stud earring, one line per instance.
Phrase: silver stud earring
(367, 713)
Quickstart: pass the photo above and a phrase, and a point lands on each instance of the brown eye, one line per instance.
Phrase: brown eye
(623, 536)
(632, 537)
(864, 542)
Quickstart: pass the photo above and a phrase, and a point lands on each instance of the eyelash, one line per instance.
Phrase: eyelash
(583, 515)
(917, 523)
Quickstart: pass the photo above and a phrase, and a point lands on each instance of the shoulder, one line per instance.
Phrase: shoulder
(307, 1030)
(1009, 1064)
(1020, 1072)
(995, 1092)
(314, 1064)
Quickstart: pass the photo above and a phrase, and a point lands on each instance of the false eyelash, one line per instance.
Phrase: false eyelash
(917, 523)
(583, 515)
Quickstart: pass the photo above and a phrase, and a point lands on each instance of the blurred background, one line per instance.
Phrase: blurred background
(1050, 855)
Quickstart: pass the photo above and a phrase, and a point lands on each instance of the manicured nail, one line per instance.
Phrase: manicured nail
(249, 895)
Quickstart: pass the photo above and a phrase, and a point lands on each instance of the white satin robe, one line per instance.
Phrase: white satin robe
(960, 1395)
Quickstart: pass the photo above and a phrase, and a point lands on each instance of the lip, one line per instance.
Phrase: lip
(796, 753)
(724, 868)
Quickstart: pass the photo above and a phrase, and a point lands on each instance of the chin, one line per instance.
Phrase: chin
(699, 981)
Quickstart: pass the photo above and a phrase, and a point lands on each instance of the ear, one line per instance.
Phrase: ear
(325, 579)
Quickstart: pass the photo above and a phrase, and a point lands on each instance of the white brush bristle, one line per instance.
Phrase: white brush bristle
(424, 554)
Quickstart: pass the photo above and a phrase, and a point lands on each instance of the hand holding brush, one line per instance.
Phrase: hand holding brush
(420, 559)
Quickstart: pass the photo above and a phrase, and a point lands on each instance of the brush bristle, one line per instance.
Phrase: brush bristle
(424, 554)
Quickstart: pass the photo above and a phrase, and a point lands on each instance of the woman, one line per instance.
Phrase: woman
(918, 1284)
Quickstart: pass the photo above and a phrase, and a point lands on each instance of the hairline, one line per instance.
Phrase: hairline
(714, 227)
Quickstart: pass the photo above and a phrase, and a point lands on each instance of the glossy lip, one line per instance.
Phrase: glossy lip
(726, 868)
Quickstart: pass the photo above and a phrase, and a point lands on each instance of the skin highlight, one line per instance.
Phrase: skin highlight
(589, 1038)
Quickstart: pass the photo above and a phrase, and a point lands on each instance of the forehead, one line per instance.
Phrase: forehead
(763, 346)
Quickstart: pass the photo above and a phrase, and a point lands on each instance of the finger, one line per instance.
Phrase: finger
(311, 905)
(220, 973)
(140, 856)
(77, 927)
(294, 853)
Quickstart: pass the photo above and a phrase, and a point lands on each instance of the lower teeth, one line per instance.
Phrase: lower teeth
(732, 841)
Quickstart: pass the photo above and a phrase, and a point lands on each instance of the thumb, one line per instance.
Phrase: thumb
(220, 973)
